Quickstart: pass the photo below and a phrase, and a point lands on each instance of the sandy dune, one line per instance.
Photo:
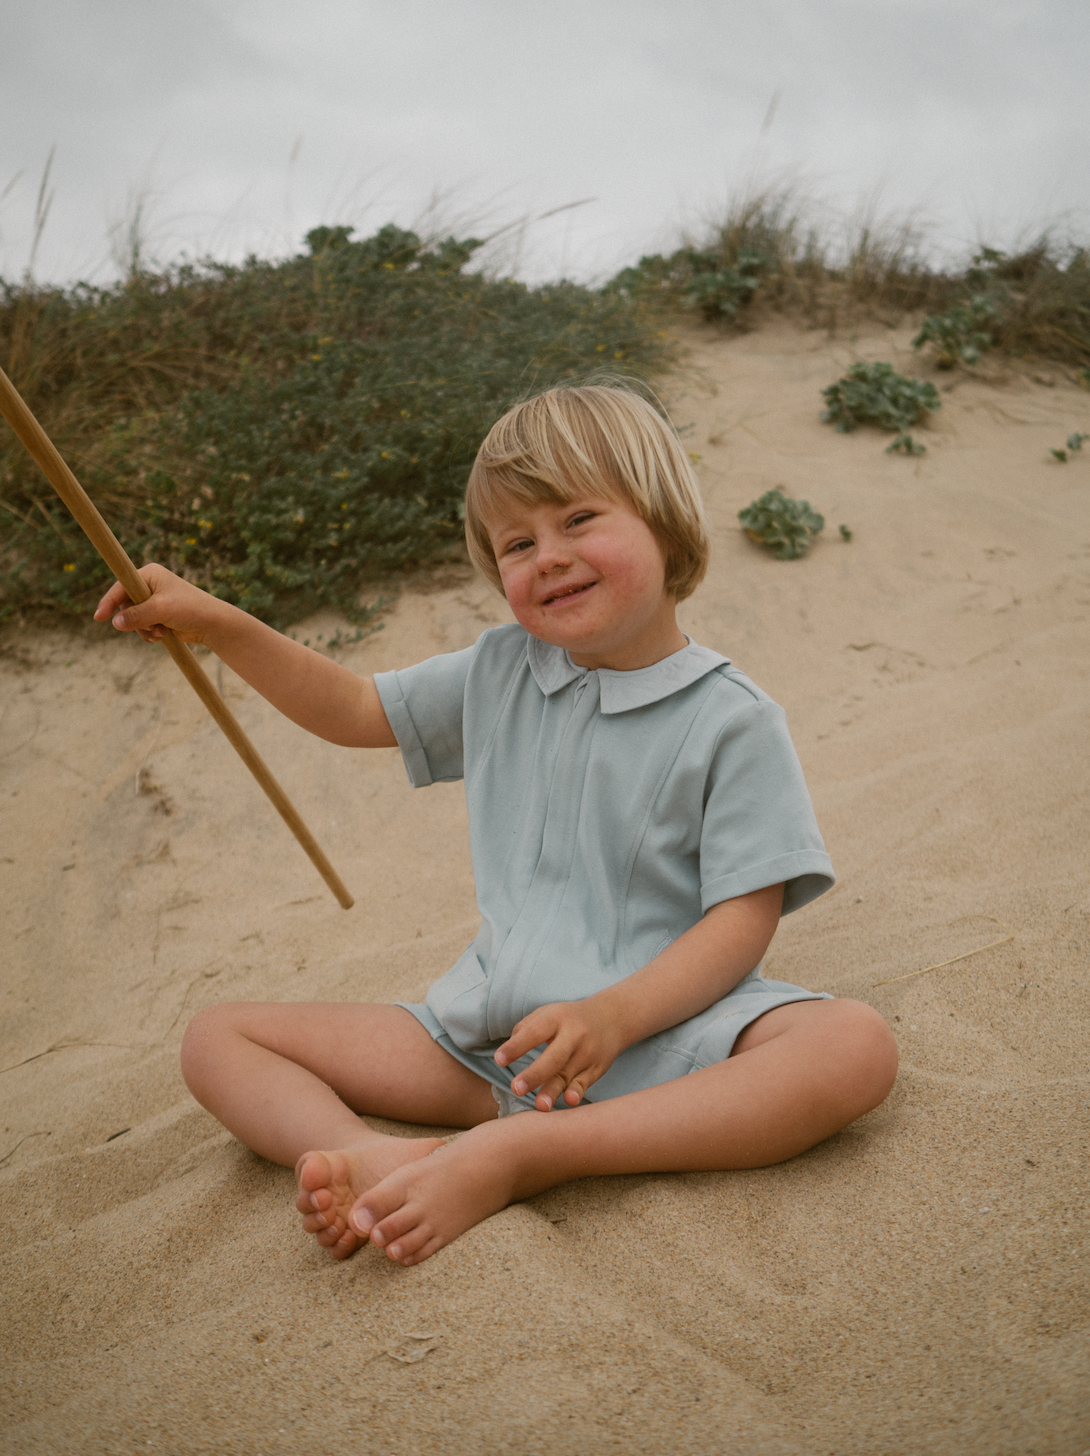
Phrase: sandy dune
(917, 1283)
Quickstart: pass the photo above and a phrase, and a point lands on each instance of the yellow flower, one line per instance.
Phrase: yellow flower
(69, 566)
(316, 357)
(191, 540)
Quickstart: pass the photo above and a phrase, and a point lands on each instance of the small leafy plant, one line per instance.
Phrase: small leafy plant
(877, 394)
(957, 336)
(904, 444)
(1074, 444)
(785, 526)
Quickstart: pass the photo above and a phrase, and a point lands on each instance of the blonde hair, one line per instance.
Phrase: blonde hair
(591, 440)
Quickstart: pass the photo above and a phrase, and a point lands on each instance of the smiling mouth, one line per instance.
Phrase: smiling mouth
(567, 592)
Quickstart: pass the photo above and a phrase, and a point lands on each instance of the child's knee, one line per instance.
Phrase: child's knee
(871, 1048)
(202, 1034)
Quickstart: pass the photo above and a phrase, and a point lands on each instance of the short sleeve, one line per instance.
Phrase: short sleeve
(759, 826)
(424, 705)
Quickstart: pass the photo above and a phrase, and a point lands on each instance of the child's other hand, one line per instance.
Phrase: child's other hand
(174, 603)
(583, 1044)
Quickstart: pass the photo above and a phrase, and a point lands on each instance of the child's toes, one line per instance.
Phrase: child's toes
(313, 1172)
(345, 1245)
(398, 1227)
(314, 1202)
(401, 1243)
(430, 1246)
(316, 1223)
(330, 1237)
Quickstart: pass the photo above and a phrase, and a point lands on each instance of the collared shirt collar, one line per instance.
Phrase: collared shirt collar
(553, 669)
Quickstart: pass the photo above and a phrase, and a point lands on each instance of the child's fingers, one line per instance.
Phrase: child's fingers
(553, 1081)
(143, 616)
(116, 598)
(548, 1094)
(574, 1057)
(530, 1032)
(552, 1063)
(556, 1090)
(173, 603)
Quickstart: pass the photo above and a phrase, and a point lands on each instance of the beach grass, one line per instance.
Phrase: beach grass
(769, 252)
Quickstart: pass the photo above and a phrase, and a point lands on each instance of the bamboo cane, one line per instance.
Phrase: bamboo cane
(48, 459)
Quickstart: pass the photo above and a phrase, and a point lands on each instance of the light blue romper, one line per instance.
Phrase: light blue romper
(607, 812)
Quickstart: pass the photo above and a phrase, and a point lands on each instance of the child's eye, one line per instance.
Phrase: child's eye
(582, 518)
(522, 545)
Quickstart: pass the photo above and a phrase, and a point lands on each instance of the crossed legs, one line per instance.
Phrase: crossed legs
(289, 1079)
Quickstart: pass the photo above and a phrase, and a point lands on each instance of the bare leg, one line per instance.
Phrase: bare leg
(800, 1073)
(289, 1078)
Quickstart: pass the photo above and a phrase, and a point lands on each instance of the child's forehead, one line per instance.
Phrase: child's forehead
(506, 509)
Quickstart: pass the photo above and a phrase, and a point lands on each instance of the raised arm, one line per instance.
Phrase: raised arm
(699, 968)
(318, 694)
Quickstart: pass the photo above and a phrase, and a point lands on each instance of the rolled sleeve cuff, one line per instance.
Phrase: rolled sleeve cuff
(805, 874)
(404, 729)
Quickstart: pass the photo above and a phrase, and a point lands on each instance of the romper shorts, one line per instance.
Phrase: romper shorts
(702, 1041)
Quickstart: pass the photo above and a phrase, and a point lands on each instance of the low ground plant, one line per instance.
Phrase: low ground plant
(904, 444)
(785, 526)
(957, 336)
(1074, 445)
(282, 432)
(876, 394)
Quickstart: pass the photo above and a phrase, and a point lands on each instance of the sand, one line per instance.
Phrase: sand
(917, 1283)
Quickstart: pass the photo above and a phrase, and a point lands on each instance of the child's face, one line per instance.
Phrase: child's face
(587, 576)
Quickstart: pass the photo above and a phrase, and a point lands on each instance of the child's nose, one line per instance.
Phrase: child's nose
(553, 554)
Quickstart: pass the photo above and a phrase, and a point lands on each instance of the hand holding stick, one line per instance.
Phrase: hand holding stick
(48, 459)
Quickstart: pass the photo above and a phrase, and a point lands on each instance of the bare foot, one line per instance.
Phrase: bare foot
(421, 1206)
(330, 1183)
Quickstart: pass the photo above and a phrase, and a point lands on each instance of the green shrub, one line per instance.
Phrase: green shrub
(957, 336)
(282, 432)
(784, 525)
(876, 394)
(696, 278)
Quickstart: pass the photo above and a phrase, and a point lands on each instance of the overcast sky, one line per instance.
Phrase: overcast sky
(242, 123)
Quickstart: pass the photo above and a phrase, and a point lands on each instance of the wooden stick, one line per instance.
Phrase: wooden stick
(48, 459)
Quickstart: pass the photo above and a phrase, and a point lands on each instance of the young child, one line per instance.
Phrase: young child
(638, 824)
